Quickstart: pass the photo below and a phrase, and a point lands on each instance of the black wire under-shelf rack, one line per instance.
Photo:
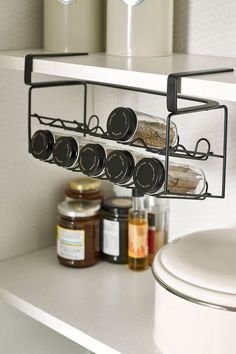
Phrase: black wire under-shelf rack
(172, 96)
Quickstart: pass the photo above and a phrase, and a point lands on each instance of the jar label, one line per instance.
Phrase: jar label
(111, 235)
(71, 244)
(133, 2)
(138, 240)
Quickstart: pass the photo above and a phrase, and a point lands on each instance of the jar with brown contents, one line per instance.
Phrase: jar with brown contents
(78, 233)
(84, 188)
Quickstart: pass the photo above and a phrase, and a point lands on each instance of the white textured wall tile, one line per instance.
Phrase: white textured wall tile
(205, 27)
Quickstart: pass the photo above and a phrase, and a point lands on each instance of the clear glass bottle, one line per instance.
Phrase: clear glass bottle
(149, 176)
(138, 233)
(158, 224)
(124, 124)
(66, 151)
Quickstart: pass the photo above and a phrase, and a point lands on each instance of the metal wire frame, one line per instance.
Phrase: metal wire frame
(178, 151)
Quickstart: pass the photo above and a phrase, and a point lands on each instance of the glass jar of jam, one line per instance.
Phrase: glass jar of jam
(84, 188)
(78, 233)
(115, 229)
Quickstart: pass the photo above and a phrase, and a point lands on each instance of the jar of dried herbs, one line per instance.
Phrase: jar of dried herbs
(124, 124)
(149, 176)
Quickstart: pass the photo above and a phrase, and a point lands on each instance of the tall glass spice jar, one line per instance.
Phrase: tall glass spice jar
(84, 188)
(42, 143)
(124, 124)
(115, 229)
(138, 233)
(78, 233)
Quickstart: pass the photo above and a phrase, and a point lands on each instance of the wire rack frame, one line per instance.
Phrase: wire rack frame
(178, 151)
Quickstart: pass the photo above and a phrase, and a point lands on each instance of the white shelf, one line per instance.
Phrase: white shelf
(147, 73)
(105, 308)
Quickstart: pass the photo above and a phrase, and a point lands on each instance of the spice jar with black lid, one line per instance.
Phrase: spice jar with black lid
(149, 176)
(119, 166)
(78, 233)
(84, 188)
(42, 144)
(124, 124)
(92, 159)
(115, 229)
(66, 151)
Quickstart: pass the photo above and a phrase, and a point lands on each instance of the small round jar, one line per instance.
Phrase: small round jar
(92, 159)
(119, 166)
(66, 152)
(78, 233)
(42, 145)
(124, 124)
(115, 229)
(84, 188)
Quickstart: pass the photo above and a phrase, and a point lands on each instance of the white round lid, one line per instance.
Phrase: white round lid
(200, 266)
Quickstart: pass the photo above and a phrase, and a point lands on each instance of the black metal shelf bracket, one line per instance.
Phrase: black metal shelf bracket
(29, 59)
(174, 87)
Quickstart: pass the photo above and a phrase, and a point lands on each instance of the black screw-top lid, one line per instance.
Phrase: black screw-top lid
(92, 159)
(119, 166)
(137, 192)
(149, 175)
(42, 144)
(117, 205)
(121, 123)
(65, 151)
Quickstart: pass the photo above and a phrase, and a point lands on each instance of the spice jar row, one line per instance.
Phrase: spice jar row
(118, 166)
(86, 234)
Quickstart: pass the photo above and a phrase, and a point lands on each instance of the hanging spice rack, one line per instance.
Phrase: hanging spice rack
(172, 97)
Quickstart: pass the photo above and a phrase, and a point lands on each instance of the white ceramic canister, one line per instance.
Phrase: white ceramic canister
(195, 294)
(74, 25)
(139, 27)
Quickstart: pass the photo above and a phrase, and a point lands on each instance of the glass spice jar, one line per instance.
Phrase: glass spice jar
(84, 188)
(92, 159)
(78, 233)
(42, 143)
(149, 176)
(66, 151)
(119, 166)
(124, 124)
(115, 229)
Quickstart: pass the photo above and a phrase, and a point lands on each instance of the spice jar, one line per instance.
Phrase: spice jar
(115, 229)
(119, 166)
(78, 233)
(42, 145)
(66, 151)
(125, 124)
(84, 188)
(149, 176)
(92, 160)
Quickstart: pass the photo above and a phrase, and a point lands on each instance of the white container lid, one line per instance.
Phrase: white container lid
(200, 267)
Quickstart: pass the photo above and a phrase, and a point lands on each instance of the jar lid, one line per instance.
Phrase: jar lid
(117, 205)
(121, 123)
(149, 175)
(200, 267)
(65, 151)
(78, 209)
(42, 144)
(84, 184)
(119, 166)
(92, 159)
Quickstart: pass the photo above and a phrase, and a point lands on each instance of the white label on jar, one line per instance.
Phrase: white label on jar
(70, 244)
(111, 244)
(65, 2)
(133, 2)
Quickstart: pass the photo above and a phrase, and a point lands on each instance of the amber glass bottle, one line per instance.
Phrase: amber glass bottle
(138, 233)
